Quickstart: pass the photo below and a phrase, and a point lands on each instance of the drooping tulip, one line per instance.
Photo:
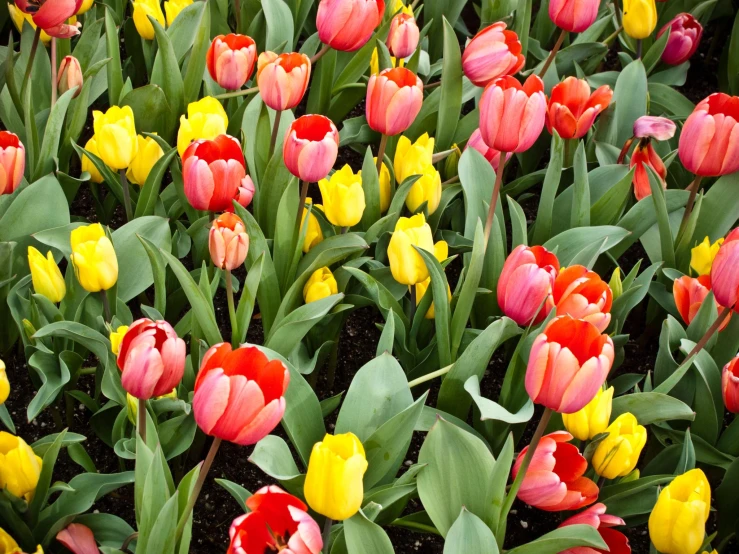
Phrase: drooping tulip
(52, 16)
(618, 453)
(407, 265)
(685, 36)
(311, 147)
(45, 274)
(228, 242)
(596, 517)
(230, 60)
(412, 157)
(87, 165)
(593, 418)
(172, 9)
(394, 98)
(313, 233)
(572, 108)
(730, 385)
(703, 254)
(4, 383)
(115, 136)
(142, 10)
(658, 128)
(78, 539)
(343, 197)
(491, 154)
(347, 25)
(640, 18)
(492, 53)
(69, 76)
(526, 283)
(321, 284)
(12, 162)
(573, 15)
(725, 271)
(20, 467)
(206, 119)
(402, 39)
(148, 153)
(427, 188)
(93, 257)
(689, 294)
(645, 156)
(283, 79)
(582, 294)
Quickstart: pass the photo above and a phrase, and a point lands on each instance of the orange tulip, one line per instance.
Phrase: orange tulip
(582, 294)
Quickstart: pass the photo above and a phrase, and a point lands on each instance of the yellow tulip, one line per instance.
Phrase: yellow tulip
(93, 257)
(441, 253)
(115, 136)
(85, 6)
(148, 153)
(618, 453)
(375, 62)
(701, 257)
(141, 10)
(173, 8)
(206, 119)
(9, 546)
(320, 285)
(714, 551)
(343, 197)
(19, 466)
(386, 191)
(87, 165)
(333, 485)
(593, 418)
(47, 279)
(313, 233)
(407, 265)
(116, 338)
(427, 188)
(4, 383)
(677, 524)
(132, 405)
(412, 158)
(640, 18)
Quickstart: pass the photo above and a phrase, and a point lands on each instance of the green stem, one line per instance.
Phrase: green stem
(412, 313)
(381, 153)
(106, 305)
(237, 93)
(126, 195)
(429, 376)
(198, 487)
(31, 57)
(327, 533)
(494, 199)
(612, 36)
(53, 71)
(553, 53)
(275, 130)
(301, 206)
(638, 48)
(142, 419)
(237, 14)
(693, 188)
(232, 310)
(322, 52)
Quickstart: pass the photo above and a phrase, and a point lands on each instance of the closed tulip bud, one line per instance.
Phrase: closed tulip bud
(86, 164)
(492, 53)
(618, 453)
(573, 15)
(572, 108)
(386, 189)
(20, 468)
(142, 9)
(554, 481)
(343, 197)
(427, 188)
(228, 242)
(172, 9)
(116, 338)
(411, 158)
(441, 253)
(593, 418)
(206, 119)
(644, 155)
(69, 76)
(47, 279)
(640, 18)
(658, 128)
(310, 148)
(702, 256)
(568, 364)
(320, 285)
(729, 385)
(582, 294)
(148, 154)
(93, 257)
(12, 162)
(725, 271)
(512, 115)
(526, 282)
(78, 539)
(685, 36)
(689, 295)
(677, 524)
(491, 154)
(283, 79)
(115, 136)
(596, 517)
(313, 233)
(57, 19)
(333, 485)
(402, 39)
(406, 264)
(239, 394)
(4, 383)
(451, 164)
(394, 98)
(231, 60)
(347, 25)
(616, 284)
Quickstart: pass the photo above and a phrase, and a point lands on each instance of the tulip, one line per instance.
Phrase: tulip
(12, 162)
(640, 18)
(702, 256)
(644, 155)
(406, 264)
(427, 188)
(491, 154)
(394, 98)
(333, 485)
(239, 394)
(554, 480)
(568, 364)
(573, 15)
(320, 285)
(310, 148)
(283, 79)
(277, 521)
(402, 39)
(147, 155)
(689, 295)
(20, 468)
(375, 62)
(20, 18)
(231, 59)
(492, 53)
(709, 143)
(214, 174)
(618, 453)
(52, 16)
(4, 384)
(593, 419)
(412, 158)
(116, 338)
(582, 294)
(677, 524)
(313, 233)
(511, 115)
(343, 197)
(572, 109)
(685, 36)
(206, 119)
(596, 517)
(724, 274)
(228, 242)
(69, 76)
(47, 279)
(729, 385)
(649, 126)
(78, 539)
(441, 253)
(115, 136)
(142, 9)
(386, 190)
(526, 282)
(9, 546)
(85, 6)
(93, 257)
(172, 9)
(87, 165)
(347, 25)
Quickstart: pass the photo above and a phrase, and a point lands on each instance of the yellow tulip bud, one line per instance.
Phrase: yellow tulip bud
(19, 466)
(616, 285)
(115, 136)
(148, 153)
(141, 10)
(333, 485)
(47, 279)
(94, 259)
(85, 6)
(701, 257)
(116, 338)
(426, 189)
(412, 158)
(132, 404)
(320, 285)
(593, 418)
(313, 233)
(4, 383)
(343, 197)
(618, 453)
(173, 8)
(640, 18)
(375, 62)
(407, 265)
(677, 524)
(206, 119)
(714, 551)
(87, 165)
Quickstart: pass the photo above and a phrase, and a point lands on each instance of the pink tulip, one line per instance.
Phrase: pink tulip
(596, 517)
(394, 98)
(573, 15)
(645, 155)
(347, 25)
(402, 40)
(78, 539)
(568, 364)
(582, 294)
(151, 359)
(230, 60)
(491, 154)
(685, 36)
(725, 271)
(525, 284)
(51, 15)
(572, 109)
(492, 53)
(658, 128)
(511, 115)
(228, 242)
(310, 148)
(12, 162)
(69, 76)
(239, 394)
(554, 480)
(730, 385)
(282, 79)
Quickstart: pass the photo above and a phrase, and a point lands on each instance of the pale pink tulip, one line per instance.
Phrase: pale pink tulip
(282, 79)
(650, 126)
(394, 98)
(310, 148)
(492, 53)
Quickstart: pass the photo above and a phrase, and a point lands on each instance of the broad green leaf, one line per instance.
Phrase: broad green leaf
(652, 407)
(470, 535)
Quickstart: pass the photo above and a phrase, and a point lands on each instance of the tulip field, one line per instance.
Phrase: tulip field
(369, 276)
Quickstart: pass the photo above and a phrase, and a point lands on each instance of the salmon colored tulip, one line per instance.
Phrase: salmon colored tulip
(526, 283)
(78, 539)
(554, 480)
(402, 39)
(52, 15)
(239, 394)
(596, 517)
(658, 128)
(228, 242)
(151, 359)
(689, 294)
(491, 154)
(573, 15)
(310, 148)
(582, 294)
(572, 109)
(512, 115)
(231, 59)
(645, 156)
(492, 53)
(568, 364)
(685, 36)
(709, 143)
(283, 79)
(725, 271)
(69, 76)
(730, 385)
(394, 98)
(347, 25)
(12, 162)
(703, 254)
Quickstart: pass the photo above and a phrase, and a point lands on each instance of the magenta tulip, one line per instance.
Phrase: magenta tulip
(685, 36)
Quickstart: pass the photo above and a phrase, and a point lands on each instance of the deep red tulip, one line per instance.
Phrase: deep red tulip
(572, 109)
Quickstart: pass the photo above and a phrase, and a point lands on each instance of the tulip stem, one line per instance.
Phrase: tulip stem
(198, 487)
(617, 9)
(451, 181)
(142, 419)
(126, 195)
(322, 52)
(707, 336)
(412, 311)
(381, 152)
(553, 53)
(327, 533)
(275, 130)
(638, 48)
(494, 199)
(612, 36)
(429, 376)
(106, 305)
(428, 86)
(693, 188)
(232, 309)
(237, 14)
(31, 57)
(53, 71)
(237, 93)
(625, 150)
(301, 207)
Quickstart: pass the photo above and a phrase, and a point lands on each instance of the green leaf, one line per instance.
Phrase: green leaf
(44, 480)
(663, 218)
(272, 455)
(171, 78)
(630, 98)
(115, 73)
(150, 192)
(279, 25)
(52, 134)
(239, 493)
(196, 64)
(562, 539)
(543, 228)
(652, 407)
(151, 112)
(371, 187)
(248, 297)
(450, 103)
(569, 243)
(580, 216)
(654, 54)
(470, 535)
(468, 293)
(439, 288)
(159, 273)
(490, 410)
(609, 207)
(365, 537)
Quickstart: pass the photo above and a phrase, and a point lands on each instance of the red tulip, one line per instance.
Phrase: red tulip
(214, 174)
(51, 15)
(596, 516)
(394, 98)
(573, 15)
(231, 59)
(492, 53)
(582, 294)
(525, 284)
(572, 109)
(402, 39)
(228, 242)
(239, 394)
(491, 154)
(347, 25)
(283, 79)
(644, 155)
(649, 126)
(689, 295)
(730, 385)
(725, 271)
(12, 162)
(310, 148)
(685, 36)
(78, 539)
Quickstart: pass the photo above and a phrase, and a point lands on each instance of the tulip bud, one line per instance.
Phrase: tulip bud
(142, 9)
(87, 165)
(394, 98)
(206, 119)
(343, 197)
(593, 418)
(310, 148)
(283, 79)
(492, 53)
(4, 384)
(491, 154)
(615, 284)
(320, 285)
(596, 516)
(228, 242)
(427, 188)
(702, 255)
(572, 109)
(20, 468)
(147, 155)
(724, 273)
(729, 385)
(412, 158)
(231, 59)
(402, 39)
(93, 257)
(116, 337)
(47, 279)
(12, 162)
(69, 76)
(640, 18)
(347, 25)
(115, 136)
(658, 128)
(685, 36)
(451, 164)
(573, 15)
(526, 282)
(644, 155)
(172, 9)
(313, 233)
(618, 453)
(406, 264)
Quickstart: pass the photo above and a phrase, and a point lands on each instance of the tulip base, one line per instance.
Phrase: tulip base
(205, 468)
(327, 533)
(494, 198)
